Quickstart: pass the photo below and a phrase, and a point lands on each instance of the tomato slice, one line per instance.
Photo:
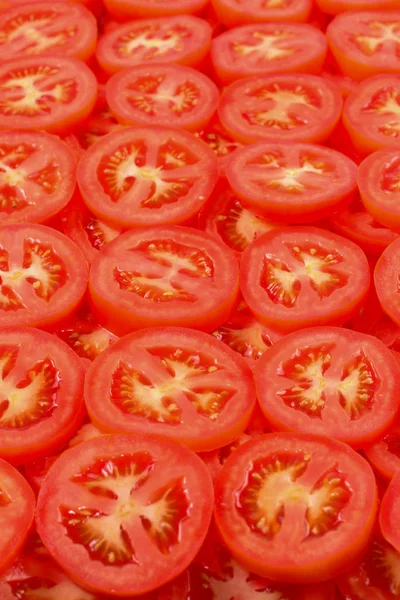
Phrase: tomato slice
(42, 393)
(329, 381)
(353, 222)
(37, 176)
(268, 48)
(303, 276)
(53, 28)
(372, 114)
(389, 513)
(175, 382)
(151, 176)
(162, 95)
(386, 277)
(139, 9)
(291, 182)
(220, 142)
(331, 72)
(43, 275)
(45, 92)
(17, 510)
(163, 276)
(334, 7)
(366, 43)
(183, 39)
(376, 577)
(239, 12)
(279, 498)
(384, 455)
(124, 514)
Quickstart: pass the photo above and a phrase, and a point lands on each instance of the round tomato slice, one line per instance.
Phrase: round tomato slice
(379, 185)
(175, 382)
(42, 399)
(386, 276)
(285, 107)
(37, 176)
(163, 276)
(226, 219)
(147, 176)
(298, 277)
(239, 12)
(184, 40)
(366, 43)
(372, 114)
(280, 498)
(220, 142)
(334, 7)
(43, 276)
(384, 455)
(268, 48)
(353, 222)
(124, 514)
(163, 95)
(389, 513)
(139, 9)
(54, 28)
(45, 92)
(329, 381)
(17, 510)
(291, 182)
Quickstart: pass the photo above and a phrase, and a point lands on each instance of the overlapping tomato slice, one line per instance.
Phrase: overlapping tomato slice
(239, 12)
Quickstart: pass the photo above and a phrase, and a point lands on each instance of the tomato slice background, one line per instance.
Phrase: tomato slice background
(254, 11)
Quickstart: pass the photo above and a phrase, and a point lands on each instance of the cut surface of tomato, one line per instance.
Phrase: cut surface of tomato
(124, 514)
(147, 176)
(54, 28)
(139, 9)
(176, 382)
(371, 115)
(280, 498)
(387, 277)
(37, 176)
(220, 142)
(42, 393)
(17, 511)
(335, 7)
(268, 48)
(285, 107)
(163, 276)
(389, 513)
(291, 182)
(298, 277)
(384, 455)
(239, 12)
(162, 95)
(43, 275)
(45, 92)
(365, 43)
(183, 40)
(329, 381)
(355, 223)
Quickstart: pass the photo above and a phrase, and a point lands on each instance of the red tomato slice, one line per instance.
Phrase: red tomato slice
(379, 185)
(291, 182)
(183, 39)
(175, 382)
(329, 381)
(37, 176)
(345, 84)
(384, 455)
(151, 176)
(280, 497)
(124, 514)
(17, 510)
(386, 276)
(162, 95)
(299, 277)
(220, 142)
(226, 219)
(376, 577)
(139, 9)
(43, 276)
(365, 43)
(240, 12)
(389, 513)
(268, 48)
(163, 276)
(54, 28)
(42, 399)
(334, 7)
(284, 107)
(353, 222)
(372, 114)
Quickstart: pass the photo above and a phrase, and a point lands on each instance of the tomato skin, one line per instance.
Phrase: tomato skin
(281, 561)
(125, 10)
(231, 15)
(385, 277)
(17, 512)
(231, 64)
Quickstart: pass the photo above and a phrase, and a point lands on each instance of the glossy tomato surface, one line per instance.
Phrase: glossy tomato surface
(239, 12)
(134, 9)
